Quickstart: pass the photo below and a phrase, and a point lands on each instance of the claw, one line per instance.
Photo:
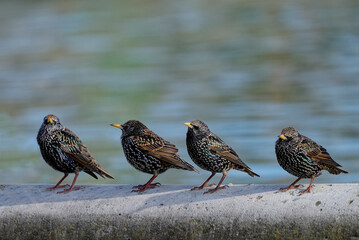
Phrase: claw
(203, 186)
(142, 188)
(70, 189)
(214, 189)
(290, 187)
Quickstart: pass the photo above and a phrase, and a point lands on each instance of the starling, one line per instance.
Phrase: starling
(65, 152)
(211, 153)
(148, 152)
(303, 158)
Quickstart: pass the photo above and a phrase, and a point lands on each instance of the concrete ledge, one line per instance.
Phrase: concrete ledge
(330, 211)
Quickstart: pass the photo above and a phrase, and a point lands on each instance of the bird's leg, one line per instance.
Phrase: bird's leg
(148, 185)
(290, 186)
(310, 187)
(72, 185)
(205, 183)
(219, 184)
(58, 184)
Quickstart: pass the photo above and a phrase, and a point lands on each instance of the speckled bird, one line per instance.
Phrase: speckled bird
(65, 152)
(303, 158)
(211, 153)
(148, 152)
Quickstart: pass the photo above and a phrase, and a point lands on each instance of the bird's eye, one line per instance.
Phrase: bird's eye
(195, 127)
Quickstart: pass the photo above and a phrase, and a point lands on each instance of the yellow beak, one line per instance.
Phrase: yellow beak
(50, 120)
(282, 137)
(117, 126)
(188, 124)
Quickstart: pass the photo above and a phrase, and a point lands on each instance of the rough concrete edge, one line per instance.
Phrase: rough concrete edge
(128, 227)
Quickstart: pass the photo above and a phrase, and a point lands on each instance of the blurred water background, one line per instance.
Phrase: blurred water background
(246, 68)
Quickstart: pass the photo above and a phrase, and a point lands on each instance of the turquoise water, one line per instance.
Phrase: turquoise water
(246, 68)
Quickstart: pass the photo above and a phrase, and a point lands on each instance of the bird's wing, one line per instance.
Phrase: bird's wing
(218, 146)
(317, 152)
(70, 144)
(159, 148)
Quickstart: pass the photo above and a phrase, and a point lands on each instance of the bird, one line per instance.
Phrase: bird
(211, 153)
(303, 158)
(65, 152)
(148, 152)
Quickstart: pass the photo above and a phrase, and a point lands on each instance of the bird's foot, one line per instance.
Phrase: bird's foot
(290, 187)
(203, 186)
(56, 187)
(142, 188)
(306, 190)
(70, 189)
(214, 189)
(153, 185)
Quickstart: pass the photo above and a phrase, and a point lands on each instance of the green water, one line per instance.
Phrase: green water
(246, 68)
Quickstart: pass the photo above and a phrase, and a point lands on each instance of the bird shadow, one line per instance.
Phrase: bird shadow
(179, 195)
(164, 195)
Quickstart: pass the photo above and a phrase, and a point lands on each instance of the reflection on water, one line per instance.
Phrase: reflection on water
(246, 68)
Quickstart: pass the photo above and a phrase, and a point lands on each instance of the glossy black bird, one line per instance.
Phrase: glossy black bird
(148, 152)
(65, 152)
(211, 153)
(303, 158)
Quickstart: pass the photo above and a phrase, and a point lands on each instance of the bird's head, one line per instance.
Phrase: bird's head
(198, 128)
(288, 134)
(51, 119)
(52, 122)
(131, 127)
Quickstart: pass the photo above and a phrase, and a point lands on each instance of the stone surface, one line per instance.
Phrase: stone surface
(174, 212)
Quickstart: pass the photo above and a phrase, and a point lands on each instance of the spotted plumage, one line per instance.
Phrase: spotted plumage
(65, 152)
(303, 158)
(211, 153)
(148, 152)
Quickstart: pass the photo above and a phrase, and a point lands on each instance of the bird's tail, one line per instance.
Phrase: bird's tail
(185, 165)
(103, 173)
(247, 170)
(251, 173)
(336, 170)
(190, 167)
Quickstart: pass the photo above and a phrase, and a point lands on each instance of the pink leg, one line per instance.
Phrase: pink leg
(58, 184)
(290, 186)
(310, 187)
(219, 184)
(205, 183)
(72, 185)
(148, 185)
